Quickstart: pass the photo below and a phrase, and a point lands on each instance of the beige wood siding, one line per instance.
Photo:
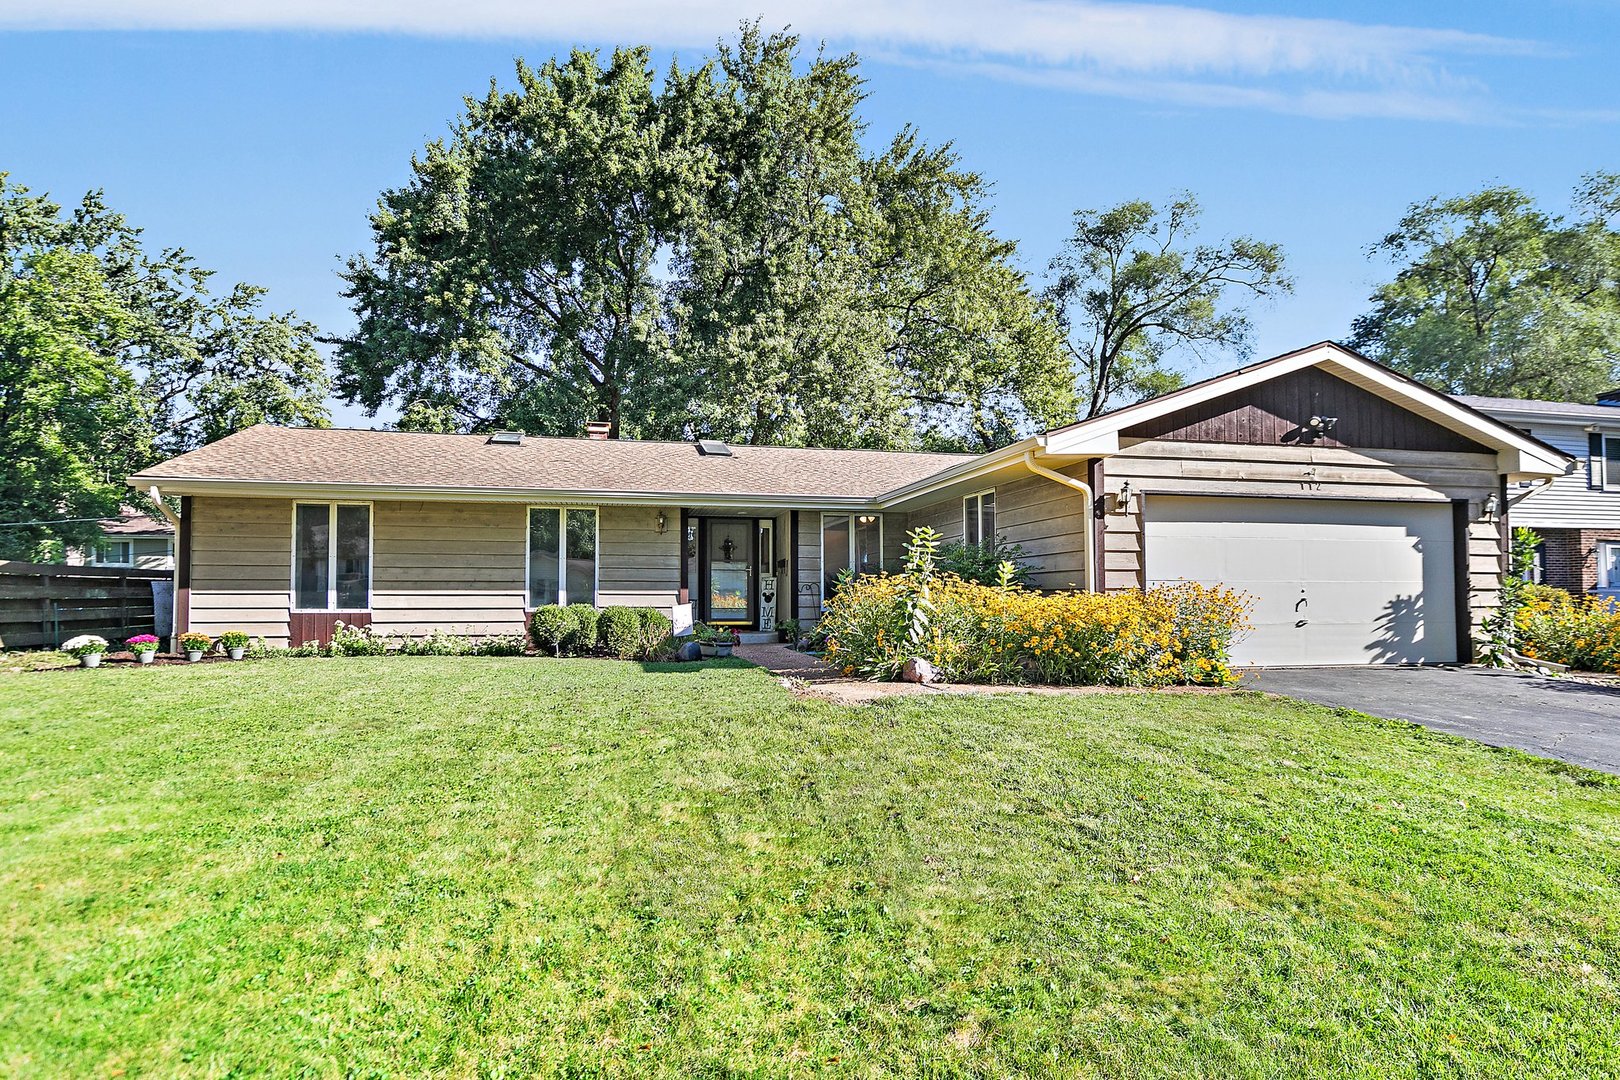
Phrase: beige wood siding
(241, 566)
(455, 567)
(1041, 516)
(1170, 468)
(636, 564)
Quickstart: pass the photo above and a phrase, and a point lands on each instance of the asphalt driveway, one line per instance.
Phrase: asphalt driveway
(1557, 718)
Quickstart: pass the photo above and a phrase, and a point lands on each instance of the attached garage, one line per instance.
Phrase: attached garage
(1333, 581)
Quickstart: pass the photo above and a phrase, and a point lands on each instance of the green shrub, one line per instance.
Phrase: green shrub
(551, 626)
(982, 564)
(503, 645)
(438, 643)
(584, 638)
(357, 641)
(656, 628)
(618, 629)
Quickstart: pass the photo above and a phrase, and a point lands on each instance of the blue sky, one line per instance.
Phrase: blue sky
(258, 134)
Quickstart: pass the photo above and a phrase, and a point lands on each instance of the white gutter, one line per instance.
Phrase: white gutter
(1088, 533)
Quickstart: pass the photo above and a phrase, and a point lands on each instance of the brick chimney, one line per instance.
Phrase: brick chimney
(598, 429)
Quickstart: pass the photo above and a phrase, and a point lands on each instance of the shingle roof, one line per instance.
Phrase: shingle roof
(344, 457)
(1571, 410)
(134, 523)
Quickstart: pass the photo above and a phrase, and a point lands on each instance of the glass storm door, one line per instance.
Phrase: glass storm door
(728, 577)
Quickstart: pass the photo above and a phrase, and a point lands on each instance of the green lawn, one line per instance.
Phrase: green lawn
(477, 867)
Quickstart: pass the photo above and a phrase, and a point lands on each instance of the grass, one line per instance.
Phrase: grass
(482, 867)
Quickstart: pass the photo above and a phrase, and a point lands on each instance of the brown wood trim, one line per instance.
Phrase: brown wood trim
(182, 568)
(1463, 611)
(304, 627)
(1099, 524)
(793, 564)
(686, 569)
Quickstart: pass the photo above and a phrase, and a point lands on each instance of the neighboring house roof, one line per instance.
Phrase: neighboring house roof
(398, 461)
(1575, 412)
(134, 523)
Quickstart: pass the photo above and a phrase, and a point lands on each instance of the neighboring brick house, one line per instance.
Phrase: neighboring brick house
(1577, 515)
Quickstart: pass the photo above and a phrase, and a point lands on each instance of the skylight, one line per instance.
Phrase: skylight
(713, 448)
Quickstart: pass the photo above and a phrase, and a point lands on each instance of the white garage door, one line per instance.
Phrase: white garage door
(1332, 581)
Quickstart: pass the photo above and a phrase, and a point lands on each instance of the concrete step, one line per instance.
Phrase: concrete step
(755, 637)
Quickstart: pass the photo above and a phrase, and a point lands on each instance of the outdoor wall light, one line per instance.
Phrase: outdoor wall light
(1491, 507)
(1318, 426)
(661, 524)
(1122, 498)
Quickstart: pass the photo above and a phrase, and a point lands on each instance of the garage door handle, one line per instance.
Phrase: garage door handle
(1302, 602)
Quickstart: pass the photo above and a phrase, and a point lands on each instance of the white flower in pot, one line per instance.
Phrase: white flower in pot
(87, 647)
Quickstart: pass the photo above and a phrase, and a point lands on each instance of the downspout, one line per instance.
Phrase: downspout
(1538, 486)
(1086, 533)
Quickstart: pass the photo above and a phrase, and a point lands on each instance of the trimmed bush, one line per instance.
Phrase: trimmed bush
(584, 638)
(551, 626)
(504, 645)
(618, 629)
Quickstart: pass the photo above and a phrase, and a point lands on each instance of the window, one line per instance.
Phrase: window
(1603, 461)
(332, 557)
(113, 553)
(852, 542)
(979, 519)
(562, 556)
(1608, 565)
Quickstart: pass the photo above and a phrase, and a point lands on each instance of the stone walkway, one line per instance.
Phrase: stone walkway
(806, 674)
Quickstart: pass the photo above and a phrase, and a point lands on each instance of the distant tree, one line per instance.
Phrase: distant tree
(1132, 293)
(710, 254)
(69, 414)
(112, 358)
(1495, 296)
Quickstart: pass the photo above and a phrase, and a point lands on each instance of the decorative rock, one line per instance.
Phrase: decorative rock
(689, 650)
(919, 670)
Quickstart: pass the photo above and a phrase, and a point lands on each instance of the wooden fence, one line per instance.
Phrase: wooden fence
(42, 605)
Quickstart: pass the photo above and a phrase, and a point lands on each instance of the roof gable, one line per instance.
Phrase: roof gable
(1519, 455)
(1274, 412)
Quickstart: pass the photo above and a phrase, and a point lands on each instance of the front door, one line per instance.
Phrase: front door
(727, 575)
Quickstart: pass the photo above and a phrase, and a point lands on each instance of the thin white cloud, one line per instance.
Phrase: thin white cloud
(1169, 53)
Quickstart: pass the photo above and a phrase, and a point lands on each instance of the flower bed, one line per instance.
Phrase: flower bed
(1008, 634)
(1582, 632)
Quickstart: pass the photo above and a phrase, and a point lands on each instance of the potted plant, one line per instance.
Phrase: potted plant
(725, 642)
(87, 647)
(144, 646)
(234, 642)
(787, 631)
(194, 644)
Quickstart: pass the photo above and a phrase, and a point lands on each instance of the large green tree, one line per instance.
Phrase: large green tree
(112, 357)
(1496, 296)
(710, 253)
(1133, 293)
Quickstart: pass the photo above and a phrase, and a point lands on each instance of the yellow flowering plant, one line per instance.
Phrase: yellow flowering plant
(1582, 632)
(1006, 633)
